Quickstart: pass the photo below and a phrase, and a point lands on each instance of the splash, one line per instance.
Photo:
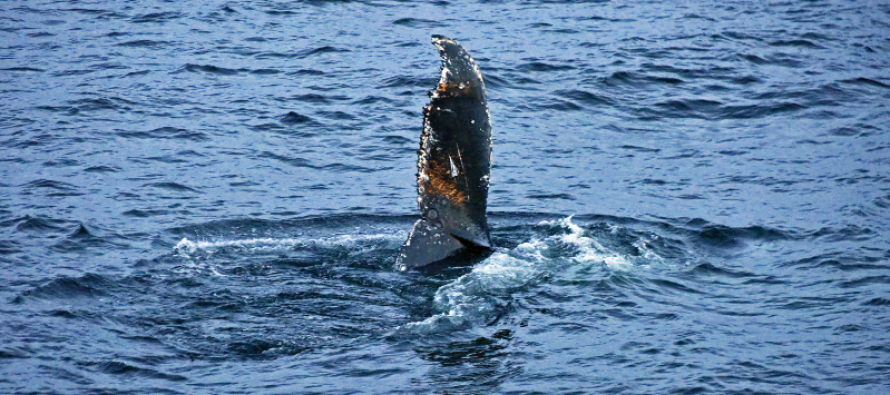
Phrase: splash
(589, 251)
(481, 296)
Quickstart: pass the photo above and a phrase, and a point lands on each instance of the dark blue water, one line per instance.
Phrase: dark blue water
(208, 197)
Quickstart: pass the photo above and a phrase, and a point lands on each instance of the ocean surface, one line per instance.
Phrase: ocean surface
(208, 198)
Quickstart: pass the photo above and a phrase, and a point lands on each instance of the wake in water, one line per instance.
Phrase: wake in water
(322, 292)
(357, 243)
(481, 296)
(552, 249)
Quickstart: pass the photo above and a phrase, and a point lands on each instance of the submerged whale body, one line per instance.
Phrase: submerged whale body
(453, 165)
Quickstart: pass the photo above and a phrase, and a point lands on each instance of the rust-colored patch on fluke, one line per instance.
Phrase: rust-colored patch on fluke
(441, 183)
(453, 90)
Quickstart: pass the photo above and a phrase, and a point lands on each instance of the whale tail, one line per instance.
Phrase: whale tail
(453, 165)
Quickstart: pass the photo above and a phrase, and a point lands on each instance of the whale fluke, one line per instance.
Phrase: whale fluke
(453, 165)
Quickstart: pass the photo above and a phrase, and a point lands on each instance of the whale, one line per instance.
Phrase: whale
(453, 166)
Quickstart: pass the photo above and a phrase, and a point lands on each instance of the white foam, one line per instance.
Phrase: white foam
(589, 250)
(474, 298)
(643, 246)
(187, 247)
(197, 256)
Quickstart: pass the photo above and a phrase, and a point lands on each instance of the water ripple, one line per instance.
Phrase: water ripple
(212, 196)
